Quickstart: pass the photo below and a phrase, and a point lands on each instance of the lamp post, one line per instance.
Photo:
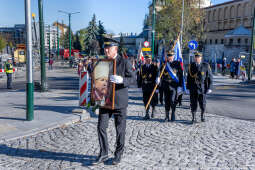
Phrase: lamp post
(42, 47)
(252, 48)
(153, 28)
(30, 86)
(69, 17)
(57, 41)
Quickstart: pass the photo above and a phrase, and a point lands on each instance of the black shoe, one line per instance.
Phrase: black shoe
(180, 104)
(116, 160)
(100, 159)
(194, 118)
(147, 116)
(167, 119)
(202, 117)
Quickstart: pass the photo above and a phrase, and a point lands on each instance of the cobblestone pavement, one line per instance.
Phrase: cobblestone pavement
(219, 143)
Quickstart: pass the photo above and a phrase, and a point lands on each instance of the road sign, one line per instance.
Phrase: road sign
(146, 44)
(146, 49)
(193, 45)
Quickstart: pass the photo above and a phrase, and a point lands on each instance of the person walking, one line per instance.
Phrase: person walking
(51, 60)
(148, 74)
(232, 68)
(199, 83)
(224, 66)
(123, 78)
(172, 83)
(9, 72)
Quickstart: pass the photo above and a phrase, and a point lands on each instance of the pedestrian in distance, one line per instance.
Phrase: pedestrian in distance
(172, 83)
(199, 83)
(123, 78)
(148, 74)
(51, 60)
(237, 68)
(224, 66)
(9, 71)
(232, 68)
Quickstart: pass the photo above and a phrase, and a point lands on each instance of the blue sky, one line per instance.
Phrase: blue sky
(117, 15)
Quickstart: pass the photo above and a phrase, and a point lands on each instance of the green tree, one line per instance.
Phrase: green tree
(64, 40)
(168, 24)
(2, 43)
(82, 37)
(101, 32)
(77, 43)
(90, 41)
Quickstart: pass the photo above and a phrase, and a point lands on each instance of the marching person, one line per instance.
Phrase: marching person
(172, 83)
(224, 66)
(123, 78)
(148, 74)
(199, 83)
(9, 71)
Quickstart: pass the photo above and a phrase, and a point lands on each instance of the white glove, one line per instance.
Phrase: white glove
(179, 90)
(209, 91)
(116, 79)
(157, 80)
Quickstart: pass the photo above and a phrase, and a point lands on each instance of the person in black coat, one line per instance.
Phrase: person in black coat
(124, 76)
(199, 83)
(148, 75)
(172, 85)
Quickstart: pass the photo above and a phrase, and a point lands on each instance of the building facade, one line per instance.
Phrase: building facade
(228, 29)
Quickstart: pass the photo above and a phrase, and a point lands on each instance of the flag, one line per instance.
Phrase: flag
(141, 57)
(178, 57)
(124, 54)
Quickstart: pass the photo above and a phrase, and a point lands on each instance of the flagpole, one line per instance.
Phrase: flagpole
(182, 21)
(163, 69)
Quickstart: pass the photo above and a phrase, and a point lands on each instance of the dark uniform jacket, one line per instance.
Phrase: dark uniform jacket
(148, 75)
(167, 79)
(199, 78)
(123, 69)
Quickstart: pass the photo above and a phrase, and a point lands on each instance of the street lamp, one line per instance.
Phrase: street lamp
(69, 16)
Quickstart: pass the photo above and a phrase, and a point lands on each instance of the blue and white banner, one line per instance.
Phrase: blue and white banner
(171, 72)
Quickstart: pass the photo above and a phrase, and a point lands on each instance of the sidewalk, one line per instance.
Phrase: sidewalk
(51, 109)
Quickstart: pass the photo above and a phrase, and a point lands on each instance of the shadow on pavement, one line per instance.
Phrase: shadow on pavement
(11, 118)
(59, 109)
(85, 160)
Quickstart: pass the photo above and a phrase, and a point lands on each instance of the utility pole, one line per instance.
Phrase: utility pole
(153, 29)
(70, 41)
(30, 85)
(57, 41)
(42, 47)
(252, 48)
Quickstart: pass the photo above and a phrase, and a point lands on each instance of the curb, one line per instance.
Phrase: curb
(66, 122)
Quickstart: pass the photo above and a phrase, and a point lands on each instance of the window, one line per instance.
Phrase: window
(239, 41)
(231, 41)
(216, 41)
(222, 41)
(246, 40)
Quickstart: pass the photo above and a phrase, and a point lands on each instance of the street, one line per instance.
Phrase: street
(221, 142)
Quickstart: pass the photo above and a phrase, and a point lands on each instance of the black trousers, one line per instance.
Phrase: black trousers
(120, 126)
(161, 93)
(197, 98)
(9, 80)
(170, 97)
(147, 90)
